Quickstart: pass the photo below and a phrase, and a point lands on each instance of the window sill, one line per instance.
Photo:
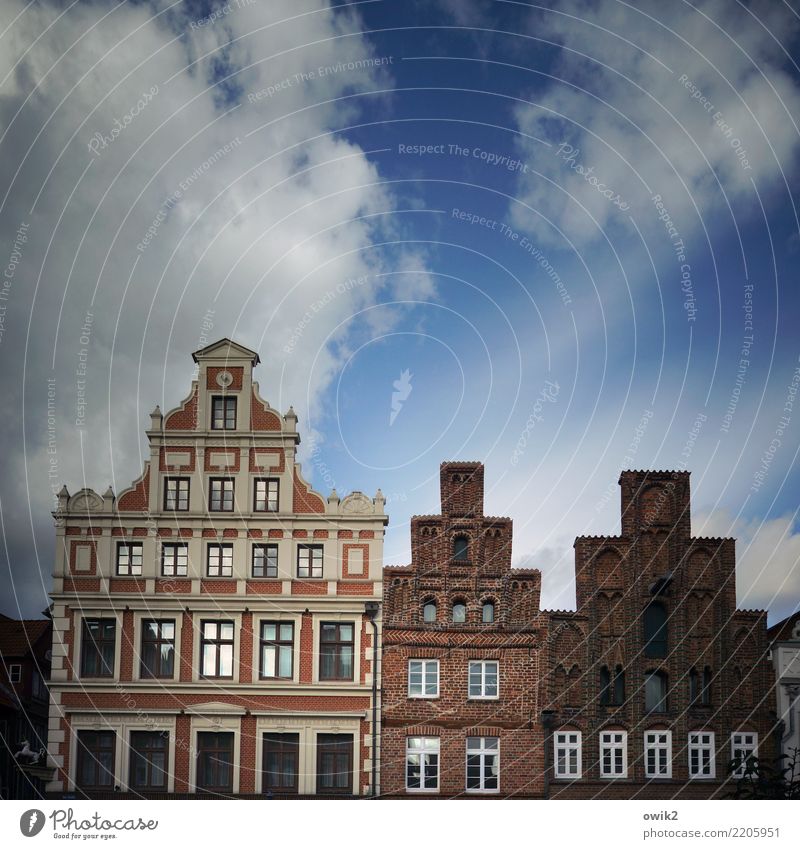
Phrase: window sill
(424, 698)
(483, 698)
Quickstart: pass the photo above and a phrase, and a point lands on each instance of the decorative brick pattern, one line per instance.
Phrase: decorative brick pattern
(236, 372)
(136, 498)
(177, 449)
(303, 499)
(184, 418)
(513, 639)
(261, 417)
(309, 588)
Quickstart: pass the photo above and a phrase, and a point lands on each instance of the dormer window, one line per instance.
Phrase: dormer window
(223, 412)
(460, 548)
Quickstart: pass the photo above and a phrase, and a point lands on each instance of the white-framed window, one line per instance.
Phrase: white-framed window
(701, 754)
(658, 754)
(15, 673)
(744, 745)
(483, 764)
(567, 754)
(129, 558)
(174, 559)
(423, 679)
(422, 764)
(613, 754)
(484, 679)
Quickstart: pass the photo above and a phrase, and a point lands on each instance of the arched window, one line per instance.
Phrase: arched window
(705, 692)
(429, 611)
(459, 612)
(619, 685)
(612, 687)
(487, 612)
(655, 630)
(460, 548)
(656, 686)
(605, 686)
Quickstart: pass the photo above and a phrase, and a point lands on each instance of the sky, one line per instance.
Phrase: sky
(559, 238)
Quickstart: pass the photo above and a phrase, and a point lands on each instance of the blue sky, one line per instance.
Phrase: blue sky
(564, 222)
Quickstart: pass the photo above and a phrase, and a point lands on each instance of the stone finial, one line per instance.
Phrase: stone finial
(156, 418)
(63, 498)
(290, 417)
(380, 500)
(333, 498)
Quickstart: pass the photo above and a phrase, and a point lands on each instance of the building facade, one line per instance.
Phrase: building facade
(24, 670)
(214, 624)
(462, 648)
(657, 682)
(784, 640)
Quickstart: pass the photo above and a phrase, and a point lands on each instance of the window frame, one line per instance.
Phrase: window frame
(482, 752)
(338, 656)
(278, 643)
(568, 746)
(663, 704)
(12, 677)
(312, 549)
(92, 754)
(326, 745)
(461, 547)
(159, 641)
(696, 744)
(223, 548)
(655, 639)
(613, 746)
(424, 678)
(266, 548)
(752, 750)
(175, 547)
(178, 492)
(224, 491)
(219, 642)
(284, 746)
(89, 643)
(426, 749)
(482, 695)
(131, 556)
(225, 401)
(462, 608)
(490, 605)
(657, 746)
(267, 500)
(205, 735)
(428, 605)
(149, 768)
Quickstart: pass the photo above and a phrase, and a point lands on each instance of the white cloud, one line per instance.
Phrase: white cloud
(257, 209)
(767, 559)
(623, 107)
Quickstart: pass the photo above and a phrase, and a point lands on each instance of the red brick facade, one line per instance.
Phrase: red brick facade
(461, 557)
(645, 691)
(708, 660)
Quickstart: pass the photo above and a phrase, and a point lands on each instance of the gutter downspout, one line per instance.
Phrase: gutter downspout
(372, 608)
